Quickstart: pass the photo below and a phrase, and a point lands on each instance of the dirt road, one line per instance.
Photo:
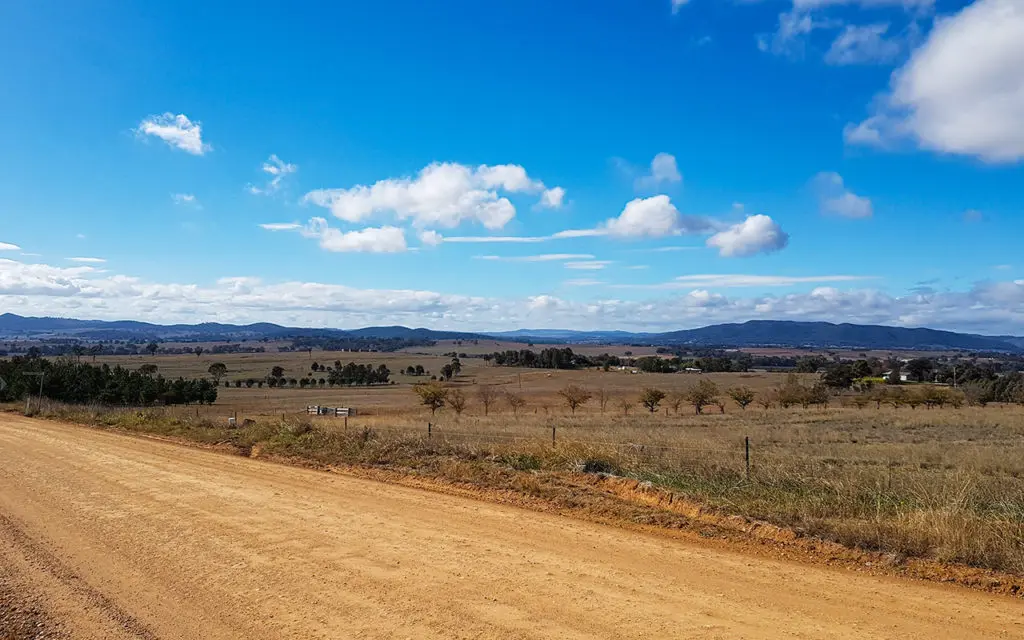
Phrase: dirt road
(123, 537)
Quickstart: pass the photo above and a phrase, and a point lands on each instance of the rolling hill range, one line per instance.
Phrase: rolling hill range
(756, 333)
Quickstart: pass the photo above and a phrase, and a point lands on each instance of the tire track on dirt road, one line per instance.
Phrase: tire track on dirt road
(176, 542)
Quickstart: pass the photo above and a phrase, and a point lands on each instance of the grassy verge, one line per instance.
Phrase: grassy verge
(938, 513)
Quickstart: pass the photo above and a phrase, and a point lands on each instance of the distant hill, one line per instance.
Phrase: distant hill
(756, 333)
(786, 333)
(15, 326)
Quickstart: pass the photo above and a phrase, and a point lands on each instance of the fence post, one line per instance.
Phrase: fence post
(746, 452)
(430, 429)
(552, 435)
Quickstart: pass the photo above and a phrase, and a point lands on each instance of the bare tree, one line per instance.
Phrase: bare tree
(625, 404)
(487, 396)
(515, 402)
(457, 401)
(603, 397)
(676, 400)
(575, 396)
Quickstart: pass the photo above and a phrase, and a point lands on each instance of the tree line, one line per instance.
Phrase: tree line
(67, 380)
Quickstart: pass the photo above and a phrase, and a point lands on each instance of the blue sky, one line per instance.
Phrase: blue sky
(353, 163)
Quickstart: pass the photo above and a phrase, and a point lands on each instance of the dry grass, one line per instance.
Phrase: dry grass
(941, 484)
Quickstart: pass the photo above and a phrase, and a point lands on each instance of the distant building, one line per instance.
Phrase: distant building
(692, 370)
(904, 377)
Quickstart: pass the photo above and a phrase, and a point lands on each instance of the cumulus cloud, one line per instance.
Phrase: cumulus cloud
(7, 246)
(865, 44)
(961, 92)
(756, 234)
(663, 171)
(277, 169)
(836, 200)
(369, 240)
(552, 198)
(431, 238)
(655, 217)
(441, 195)
(82, 291)
(177, 131)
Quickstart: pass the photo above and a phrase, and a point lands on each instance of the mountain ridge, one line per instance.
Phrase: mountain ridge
(753, 333)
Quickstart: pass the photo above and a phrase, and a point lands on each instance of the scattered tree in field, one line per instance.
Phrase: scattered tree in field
(432, 395)
(456, 366)
(487, 396)
(419, 370)
(249, 383)
(978, 394)
(651, 398)
(515, 402)
(457, 401)
(323, 382)
(79, 351)
(217, 371)
(277, 372)
(315, 366)
(603, 397)
(625, 404)
(742, 396)
(447, 371)
(676, 400)
(95, 350)
(152, 348)
(199, 351)
(895, 397)
(575, 397)
(818, 394)
(720, 404)
(839, 376)
(702, 395)
(238, 384)
(148, 369)
(766, 399)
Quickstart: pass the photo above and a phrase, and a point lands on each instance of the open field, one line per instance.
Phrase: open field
(945, 484)
(122, 537)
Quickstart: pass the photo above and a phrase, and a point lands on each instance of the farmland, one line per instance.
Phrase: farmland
(945, 484)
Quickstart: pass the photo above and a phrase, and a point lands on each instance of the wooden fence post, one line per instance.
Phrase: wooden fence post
(430, 429)
(552, 435)
(746, 451)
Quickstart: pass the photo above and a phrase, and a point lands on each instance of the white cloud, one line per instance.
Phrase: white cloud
(756, 234)
(962, 92)
(442, 195)
(185, 199)
(552, 198)
(588, 265)
(7, 246)
(740, 280)
(973, 215)
(84, 292)
(177, 131)
(678, 4)
(87, 260)
(655, 217)
(277, 169)
(663, 170)
(370, 240)
(281, 226)
(789, 37)
(865, 44)
(836, 200)
(431, 238)
(544, 257)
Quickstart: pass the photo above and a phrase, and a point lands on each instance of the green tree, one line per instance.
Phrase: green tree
(651, 398)
(199, 351)
(152, 348)
(432, 395)
(217, 371)
(742, 396)
(702, 395)
(457, 401)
